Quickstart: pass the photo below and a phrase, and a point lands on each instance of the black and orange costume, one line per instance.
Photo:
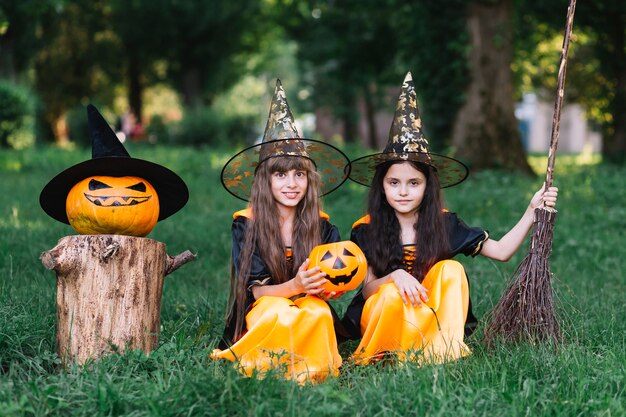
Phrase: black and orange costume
(432, 331)
(436, 329)
(297, 334)
(292, 334)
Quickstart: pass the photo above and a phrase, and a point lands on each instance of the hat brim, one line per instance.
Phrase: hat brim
(450, 171)
(171, 189)
(331, 163)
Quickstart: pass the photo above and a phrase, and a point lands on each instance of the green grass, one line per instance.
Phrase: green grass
(585, 375)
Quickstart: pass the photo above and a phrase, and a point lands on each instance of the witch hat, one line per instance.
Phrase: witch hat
(110, 158)
(408, 143)
(281, 139)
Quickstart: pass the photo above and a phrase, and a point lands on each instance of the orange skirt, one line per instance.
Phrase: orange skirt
(297, 337)
(432, 332)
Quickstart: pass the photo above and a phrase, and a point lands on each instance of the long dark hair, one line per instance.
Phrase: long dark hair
(384, 234)
(264, 227)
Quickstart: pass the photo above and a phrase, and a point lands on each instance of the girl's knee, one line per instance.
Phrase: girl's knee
(388, 294)
(451, 266)
(449, 270)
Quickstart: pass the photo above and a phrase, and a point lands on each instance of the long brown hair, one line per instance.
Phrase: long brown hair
(384, 234)
(264, 228)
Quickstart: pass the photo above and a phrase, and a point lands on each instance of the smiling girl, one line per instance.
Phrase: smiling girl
(414, 303)
(277, 316)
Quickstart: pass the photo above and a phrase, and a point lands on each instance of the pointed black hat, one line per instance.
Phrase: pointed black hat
(408, 143)
(110, 158)
(281, 139)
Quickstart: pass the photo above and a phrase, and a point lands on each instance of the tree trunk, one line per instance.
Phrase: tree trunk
(58, 126)
(135, 87)
(614, 133)
(370, 114)
(485, 131)
(348, 109)
(7, 56)
(192, 89)
(108, 293)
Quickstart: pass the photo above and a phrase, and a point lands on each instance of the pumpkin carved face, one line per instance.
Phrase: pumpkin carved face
(113, 205)
(343, 262)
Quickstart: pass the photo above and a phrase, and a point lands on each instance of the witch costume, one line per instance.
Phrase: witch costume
(294, 335)
(433, 331)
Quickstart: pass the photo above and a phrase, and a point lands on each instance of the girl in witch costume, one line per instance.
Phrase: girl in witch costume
(415, 300)
(277, 316)
(112, 193)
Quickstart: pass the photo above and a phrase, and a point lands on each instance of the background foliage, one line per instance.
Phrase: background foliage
(343, 56)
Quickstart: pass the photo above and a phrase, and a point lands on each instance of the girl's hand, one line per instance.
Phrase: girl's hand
(409, 287)
(309, 281)
(330, 295)
(548, 198)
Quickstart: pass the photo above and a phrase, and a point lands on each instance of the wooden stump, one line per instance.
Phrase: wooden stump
(108, 293)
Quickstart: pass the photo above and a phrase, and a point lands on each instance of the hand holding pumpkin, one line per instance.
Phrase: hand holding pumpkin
(309, 281)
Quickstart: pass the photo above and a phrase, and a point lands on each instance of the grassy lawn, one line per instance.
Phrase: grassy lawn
(585, 375)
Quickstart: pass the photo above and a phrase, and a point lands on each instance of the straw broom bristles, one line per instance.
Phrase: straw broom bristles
(526, 310)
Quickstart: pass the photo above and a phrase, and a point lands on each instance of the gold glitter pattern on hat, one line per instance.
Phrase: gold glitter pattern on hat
(281, 139)
(406, 135)
(408, 143)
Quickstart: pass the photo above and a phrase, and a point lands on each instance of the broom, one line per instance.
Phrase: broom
(526, 309)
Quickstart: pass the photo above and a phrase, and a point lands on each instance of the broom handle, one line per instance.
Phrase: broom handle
(556, 119)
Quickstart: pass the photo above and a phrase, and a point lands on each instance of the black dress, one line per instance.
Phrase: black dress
(259, 275)
(463, 239)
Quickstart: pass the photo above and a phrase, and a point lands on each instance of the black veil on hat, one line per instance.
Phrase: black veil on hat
(408, 143)
(281, 138)
(110, 158)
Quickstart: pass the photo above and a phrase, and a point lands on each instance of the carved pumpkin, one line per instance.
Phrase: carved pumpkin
(343, 262)
(113, 205)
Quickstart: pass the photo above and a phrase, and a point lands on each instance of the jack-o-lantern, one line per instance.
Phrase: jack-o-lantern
(343, 262)
(113, 205)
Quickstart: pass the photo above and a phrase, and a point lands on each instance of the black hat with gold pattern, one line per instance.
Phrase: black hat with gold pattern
(408, 143)
(281, 139)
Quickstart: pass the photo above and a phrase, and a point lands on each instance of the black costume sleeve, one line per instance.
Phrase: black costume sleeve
(358, 236)
(330, 233)
(464, 239)
(258, 273)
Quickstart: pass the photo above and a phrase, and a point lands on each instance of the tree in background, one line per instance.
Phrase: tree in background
(350, 54)
(142, 27)
(82, 50)
(433, 43)
(208, 44)
(597, 73)
(460, 56)
(19, 23)
(485, 132)
(348, 49)
(78, 60)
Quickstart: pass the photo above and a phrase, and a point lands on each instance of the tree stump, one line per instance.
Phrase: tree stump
(108, 293)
